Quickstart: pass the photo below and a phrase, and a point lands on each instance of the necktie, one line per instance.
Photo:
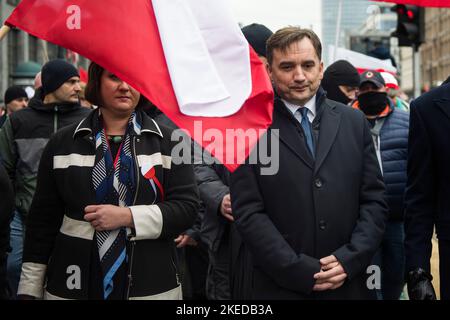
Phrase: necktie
(306, 125)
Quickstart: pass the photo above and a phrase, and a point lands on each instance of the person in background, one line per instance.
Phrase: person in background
(16, 99)
(83, 101)
(394, 92)
(427, 193)
(257, 35)
(24, 136)
(341, 82)
(6, 212)
(389, 126)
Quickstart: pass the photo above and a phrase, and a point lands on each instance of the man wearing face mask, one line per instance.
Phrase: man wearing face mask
(389, 127)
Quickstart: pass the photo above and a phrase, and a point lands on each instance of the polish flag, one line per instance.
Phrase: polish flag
(188, 57)
(422, 3)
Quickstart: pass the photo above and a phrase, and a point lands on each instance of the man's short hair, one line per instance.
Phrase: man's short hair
(284, 37)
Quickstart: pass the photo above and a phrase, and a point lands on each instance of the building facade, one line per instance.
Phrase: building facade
(354, 14)
(435, 52)
(18, 51)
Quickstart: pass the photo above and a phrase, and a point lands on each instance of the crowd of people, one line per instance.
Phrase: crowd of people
(94, 207)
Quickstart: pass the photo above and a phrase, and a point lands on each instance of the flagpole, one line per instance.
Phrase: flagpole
(4, 31)
(44, 50)
(338, 29)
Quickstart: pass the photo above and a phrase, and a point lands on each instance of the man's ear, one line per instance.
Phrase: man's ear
(268, 69)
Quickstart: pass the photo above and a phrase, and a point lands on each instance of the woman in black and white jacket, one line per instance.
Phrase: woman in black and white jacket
(108, 204)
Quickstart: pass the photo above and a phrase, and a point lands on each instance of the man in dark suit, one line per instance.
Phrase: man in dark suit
(427, 193)
(313, 227)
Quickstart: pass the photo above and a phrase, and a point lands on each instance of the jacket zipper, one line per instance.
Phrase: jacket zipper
(133, 243)
(55, 120)
(176, 269)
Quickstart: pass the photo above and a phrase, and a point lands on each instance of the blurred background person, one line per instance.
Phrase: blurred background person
(6, 212)
(394, 91)
(24, 136)
(389, 128)
(16, 98)
(341, 82)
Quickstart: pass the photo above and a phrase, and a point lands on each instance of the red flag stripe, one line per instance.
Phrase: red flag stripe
(122, 36)
(422, 3)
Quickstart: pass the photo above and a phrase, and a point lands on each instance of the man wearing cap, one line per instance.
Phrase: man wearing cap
(394, 91)
(389, 127)
(23, 138)
(15, 99)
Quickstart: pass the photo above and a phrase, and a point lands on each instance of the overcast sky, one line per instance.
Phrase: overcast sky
(279, 13)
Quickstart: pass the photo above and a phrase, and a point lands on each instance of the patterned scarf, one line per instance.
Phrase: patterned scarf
(114, 183)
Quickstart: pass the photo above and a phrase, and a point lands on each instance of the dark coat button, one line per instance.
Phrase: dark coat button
(318, 183)
(322, 225)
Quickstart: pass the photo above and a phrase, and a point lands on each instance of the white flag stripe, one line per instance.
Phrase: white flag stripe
(207, 56)
(360, 60)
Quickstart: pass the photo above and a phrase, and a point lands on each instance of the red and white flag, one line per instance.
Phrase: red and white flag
(422, 3)
(186, 56)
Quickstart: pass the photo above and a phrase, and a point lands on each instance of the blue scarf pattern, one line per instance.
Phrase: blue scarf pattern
(114, 182)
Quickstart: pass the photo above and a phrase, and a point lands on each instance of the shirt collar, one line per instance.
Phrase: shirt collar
(310, 105)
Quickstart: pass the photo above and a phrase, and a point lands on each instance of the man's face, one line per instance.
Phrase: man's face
(68, 92)
(297, 72)
(17, 104)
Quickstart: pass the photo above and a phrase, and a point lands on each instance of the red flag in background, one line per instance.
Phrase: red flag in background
(83, 74)
(124, 38)
(422, 3)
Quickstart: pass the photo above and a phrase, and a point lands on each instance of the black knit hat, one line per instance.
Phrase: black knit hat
(55, 73)
(257, 35)
(14, 92)
(340, 73)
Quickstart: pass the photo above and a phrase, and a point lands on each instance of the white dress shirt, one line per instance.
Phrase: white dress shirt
(310, 105)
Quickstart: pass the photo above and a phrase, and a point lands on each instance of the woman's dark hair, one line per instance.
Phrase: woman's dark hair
(92, 90)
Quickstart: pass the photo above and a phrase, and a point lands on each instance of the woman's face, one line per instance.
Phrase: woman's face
(117, 95)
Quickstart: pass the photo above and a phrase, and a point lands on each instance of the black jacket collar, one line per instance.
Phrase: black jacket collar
(37, 104)
(88, 124)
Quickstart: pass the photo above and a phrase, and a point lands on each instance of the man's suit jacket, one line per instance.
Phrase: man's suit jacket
(312, 208)
(428, 187)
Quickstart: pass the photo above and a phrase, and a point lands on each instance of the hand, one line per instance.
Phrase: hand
(331, 276)
(225, 208)
(107, 217)
(184, 240)
(420, 286)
